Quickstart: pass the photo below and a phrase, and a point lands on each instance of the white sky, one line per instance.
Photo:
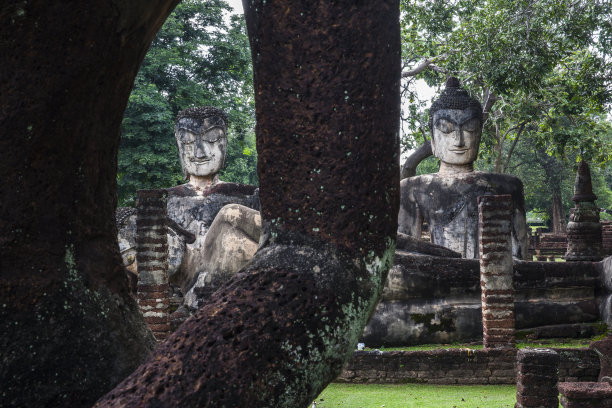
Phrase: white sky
(236, 5)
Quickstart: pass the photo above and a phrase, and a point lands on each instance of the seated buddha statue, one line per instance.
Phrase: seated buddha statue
(448, 200)
(201, 137)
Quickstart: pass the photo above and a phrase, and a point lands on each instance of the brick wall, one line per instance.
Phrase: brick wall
(458, 366)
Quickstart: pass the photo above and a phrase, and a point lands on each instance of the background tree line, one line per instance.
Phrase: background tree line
(541, 69)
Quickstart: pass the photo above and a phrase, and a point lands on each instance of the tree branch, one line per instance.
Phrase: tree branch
(411, 163)
(426, 63)
(518, 135)
(489, 100)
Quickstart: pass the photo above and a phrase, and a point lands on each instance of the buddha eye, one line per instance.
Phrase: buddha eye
(213, 134)
(445, 126)
(187, 137)
(471, 125)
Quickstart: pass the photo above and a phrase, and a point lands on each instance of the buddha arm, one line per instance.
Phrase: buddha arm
(410, 219)
(519, 235)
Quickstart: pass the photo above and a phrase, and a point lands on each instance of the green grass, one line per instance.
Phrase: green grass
(417, 395)
(540, 343)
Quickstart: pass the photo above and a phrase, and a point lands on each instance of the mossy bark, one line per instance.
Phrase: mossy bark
(327, 104)
(70, 330)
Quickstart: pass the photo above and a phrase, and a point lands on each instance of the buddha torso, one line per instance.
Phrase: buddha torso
(449, 205)
(194, 211)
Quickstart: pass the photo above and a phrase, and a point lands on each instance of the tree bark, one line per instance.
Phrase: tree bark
(553, 170)
(70, 330)
(326, 83)
(557, 213)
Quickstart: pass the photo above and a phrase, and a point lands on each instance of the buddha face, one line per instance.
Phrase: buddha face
(456, 135)
(202, 145)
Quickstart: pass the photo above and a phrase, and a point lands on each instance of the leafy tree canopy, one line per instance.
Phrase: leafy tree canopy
(541, 68)
(199, 58)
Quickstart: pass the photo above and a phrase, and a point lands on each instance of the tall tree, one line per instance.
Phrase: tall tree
(199, 57)
(504, 51)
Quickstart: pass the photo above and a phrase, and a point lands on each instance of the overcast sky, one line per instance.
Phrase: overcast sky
(236, 5)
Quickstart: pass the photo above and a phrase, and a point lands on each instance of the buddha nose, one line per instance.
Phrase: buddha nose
(459, 139)
(201, 151)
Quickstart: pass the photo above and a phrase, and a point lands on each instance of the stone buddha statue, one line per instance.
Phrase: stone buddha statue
(201, 136)
(448, 200)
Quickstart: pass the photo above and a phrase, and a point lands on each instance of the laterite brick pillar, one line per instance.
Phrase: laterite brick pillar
(537, 379)
(496, 275)
(152, 257)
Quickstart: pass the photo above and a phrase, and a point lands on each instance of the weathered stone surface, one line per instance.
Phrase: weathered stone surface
(411, 244)
(447, 201)
(458, 366)
(152, 257)
(449, 206)
(584, 237)
(230, 244)
(603, 348)
(195, 212)
(429, 299)
(126, 236)
(537, 378)
(585, 394)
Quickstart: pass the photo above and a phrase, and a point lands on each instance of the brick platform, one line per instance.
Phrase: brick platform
(458, 366)
(585, 394)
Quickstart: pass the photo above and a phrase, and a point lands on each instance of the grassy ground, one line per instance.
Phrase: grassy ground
(416, 395)
(540, 343)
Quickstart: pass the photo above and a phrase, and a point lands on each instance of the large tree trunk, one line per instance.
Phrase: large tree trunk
(327, 104)
(557, 214)
(553, 172)
(70, 330)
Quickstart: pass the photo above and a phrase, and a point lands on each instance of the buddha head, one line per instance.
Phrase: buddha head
(201, 136)
(455, 120)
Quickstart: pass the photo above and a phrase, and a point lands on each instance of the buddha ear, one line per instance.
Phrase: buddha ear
(433, 145)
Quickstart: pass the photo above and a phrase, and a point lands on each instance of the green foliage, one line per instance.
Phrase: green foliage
(198, 58)
(545, 65)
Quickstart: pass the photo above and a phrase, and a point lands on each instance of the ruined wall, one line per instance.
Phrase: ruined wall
(458, 366)
(430, 299)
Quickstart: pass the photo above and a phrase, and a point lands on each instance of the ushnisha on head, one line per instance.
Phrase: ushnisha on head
(201, 136)
(455, 120)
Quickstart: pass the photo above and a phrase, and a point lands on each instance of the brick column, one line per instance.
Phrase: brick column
(152, 258)
(537, 378)
(496, 274)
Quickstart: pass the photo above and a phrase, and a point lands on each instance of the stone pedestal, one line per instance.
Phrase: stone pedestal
(152, 258)
(496, 273)
(584, 233)
(537, 378)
